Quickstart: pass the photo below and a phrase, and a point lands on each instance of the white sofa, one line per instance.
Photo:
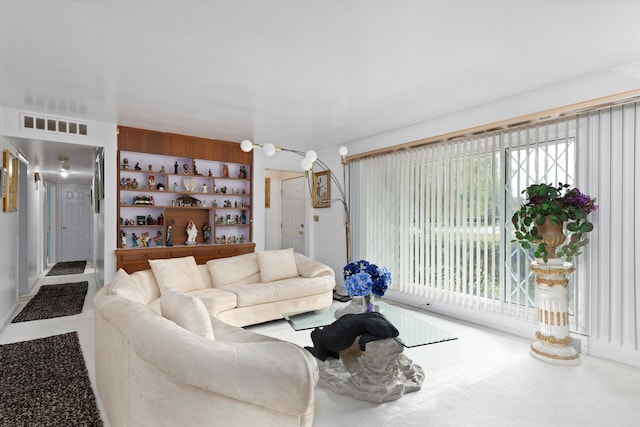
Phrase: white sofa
(165, 357)
(241, 290)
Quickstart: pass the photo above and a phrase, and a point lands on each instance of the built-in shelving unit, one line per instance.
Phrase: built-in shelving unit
(165, 182)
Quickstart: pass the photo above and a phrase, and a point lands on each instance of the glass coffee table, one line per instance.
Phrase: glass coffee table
(414, 331)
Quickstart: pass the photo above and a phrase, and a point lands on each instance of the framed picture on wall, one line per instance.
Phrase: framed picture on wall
(267, 192)
(10, 187)
(321, 190)
(3, 181)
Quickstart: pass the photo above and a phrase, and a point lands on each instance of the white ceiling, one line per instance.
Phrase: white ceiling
(300, 74)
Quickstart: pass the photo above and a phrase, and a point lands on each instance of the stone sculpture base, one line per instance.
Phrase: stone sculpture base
(379, 374)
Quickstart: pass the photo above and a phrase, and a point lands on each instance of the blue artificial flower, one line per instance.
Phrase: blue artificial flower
(363, 278)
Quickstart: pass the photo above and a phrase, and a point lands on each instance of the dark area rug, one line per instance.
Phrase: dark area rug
(65, 299)
(67, 267)
(45, 382)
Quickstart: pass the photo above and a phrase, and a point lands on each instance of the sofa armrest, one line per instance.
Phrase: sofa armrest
(308, 267)
(276, 375)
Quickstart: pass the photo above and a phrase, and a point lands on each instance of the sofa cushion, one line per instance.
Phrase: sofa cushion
(215, 300)
(148, 284)
(281, 290)
(177, 274)
(277, 265)
(187, 312)
(205, 276)
(124, 286)
(226, 271)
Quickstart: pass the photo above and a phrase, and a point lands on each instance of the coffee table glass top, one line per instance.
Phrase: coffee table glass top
(413, 330)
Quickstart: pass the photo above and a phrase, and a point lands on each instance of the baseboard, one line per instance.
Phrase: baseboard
(9, 316)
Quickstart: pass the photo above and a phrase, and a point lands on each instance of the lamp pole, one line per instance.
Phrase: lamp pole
(309, 158)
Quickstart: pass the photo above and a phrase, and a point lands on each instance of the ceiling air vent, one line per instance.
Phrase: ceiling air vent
(53, 124)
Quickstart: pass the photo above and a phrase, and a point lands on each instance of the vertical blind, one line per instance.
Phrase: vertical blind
(438, 217)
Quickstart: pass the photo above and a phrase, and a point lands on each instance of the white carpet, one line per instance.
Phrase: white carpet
(484, 378)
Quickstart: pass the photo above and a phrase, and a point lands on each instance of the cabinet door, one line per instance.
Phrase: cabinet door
(140, 140)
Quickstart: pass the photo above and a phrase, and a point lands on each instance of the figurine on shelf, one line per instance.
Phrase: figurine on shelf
(152, 182)
(127, 183)
(144, 239)
(175, 186)
(243, 173)
(204, 188)
(150, 168)
(137, 167)
(225, 171)
(134, 183)
(243, 218)
(206, 232)
(170, 232)
(192, 232)
(134, 240)
(162, 169)
(175, 167)
(123, 239)
(160, 220)
(125, 163)
(194, 168)
(210, 174)
(158, 238)
(185, 169)
(150, 220)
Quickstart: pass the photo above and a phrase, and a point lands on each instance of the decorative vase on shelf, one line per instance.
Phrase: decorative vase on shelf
(552, 236)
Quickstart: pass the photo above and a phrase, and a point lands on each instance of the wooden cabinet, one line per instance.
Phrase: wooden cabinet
(166, 182)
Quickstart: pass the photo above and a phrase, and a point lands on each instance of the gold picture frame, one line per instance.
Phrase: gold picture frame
(322, 189)
(267, 192)
(10, 190)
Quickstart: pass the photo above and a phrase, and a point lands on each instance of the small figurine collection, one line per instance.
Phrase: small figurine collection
(186, 170)
(142, 220)
(146, 238)
(229, 220)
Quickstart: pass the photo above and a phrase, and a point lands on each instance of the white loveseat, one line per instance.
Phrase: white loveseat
(168, 357)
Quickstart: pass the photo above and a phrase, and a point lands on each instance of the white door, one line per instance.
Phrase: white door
(293, 233)
(75, 223)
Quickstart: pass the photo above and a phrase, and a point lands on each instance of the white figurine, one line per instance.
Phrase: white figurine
(192, 232)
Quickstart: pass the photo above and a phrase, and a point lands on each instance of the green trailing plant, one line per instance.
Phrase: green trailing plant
(560, 204)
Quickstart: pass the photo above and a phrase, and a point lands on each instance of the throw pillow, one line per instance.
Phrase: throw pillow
(124, 286)
(187, 312)
(226, 271)
(177, 274)
(277, 265)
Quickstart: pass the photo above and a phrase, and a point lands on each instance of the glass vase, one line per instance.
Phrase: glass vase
(367, 303)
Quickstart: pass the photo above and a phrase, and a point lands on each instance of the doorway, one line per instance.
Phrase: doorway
(75, 223)
(293, 214)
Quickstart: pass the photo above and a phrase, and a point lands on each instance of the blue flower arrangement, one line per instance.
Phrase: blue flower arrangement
(362, 278)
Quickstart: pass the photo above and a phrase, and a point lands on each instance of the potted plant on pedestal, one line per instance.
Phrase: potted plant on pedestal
(539, 224)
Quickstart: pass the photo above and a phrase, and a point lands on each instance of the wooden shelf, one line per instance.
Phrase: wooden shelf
(164, 150)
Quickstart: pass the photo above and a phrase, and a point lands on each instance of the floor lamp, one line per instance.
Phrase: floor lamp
(309, 159)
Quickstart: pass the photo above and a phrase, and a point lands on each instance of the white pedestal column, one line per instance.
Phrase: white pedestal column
(552, 303)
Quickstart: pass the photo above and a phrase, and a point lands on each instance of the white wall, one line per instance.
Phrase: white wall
(8, 256)
(598, 85)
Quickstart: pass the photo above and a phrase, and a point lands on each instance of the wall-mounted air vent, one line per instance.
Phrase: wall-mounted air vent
(52, 124)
